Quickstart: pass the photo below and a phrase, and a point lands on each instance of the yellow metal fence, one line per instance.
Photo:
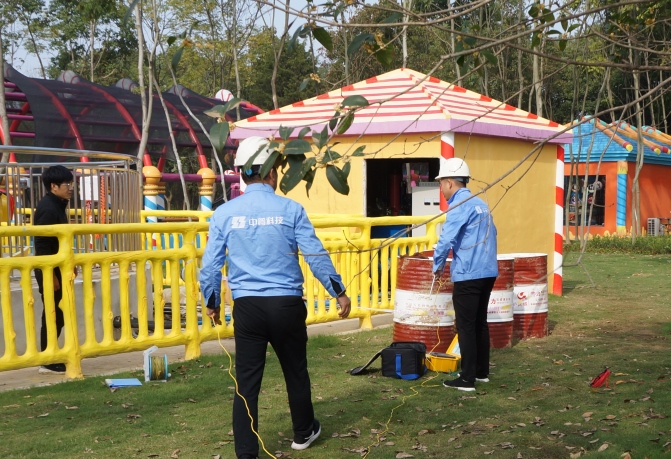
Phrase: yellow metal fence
(131, 285)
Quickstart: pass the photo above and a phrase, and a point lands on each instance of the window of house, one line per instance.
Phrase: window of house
(589, 198)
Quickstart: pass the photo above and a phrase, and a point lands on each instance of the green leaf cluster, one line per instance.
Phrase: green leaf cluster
(299, 158)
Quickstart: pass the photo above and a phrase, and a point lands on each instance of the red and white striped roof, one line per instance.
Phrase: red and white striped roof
(404, 100)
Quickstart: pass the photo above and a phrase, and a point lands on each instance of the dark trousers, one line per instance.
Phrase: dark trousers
(279, 321)
(58, 295)
(471, 299)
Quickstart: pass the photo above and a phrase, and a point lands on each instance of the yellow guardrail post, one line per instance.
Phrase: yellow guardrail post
(28, 311)
(71, 349)
(7, 316)
(364, 270)
(192, 293)
(89, 299)
(141, 298)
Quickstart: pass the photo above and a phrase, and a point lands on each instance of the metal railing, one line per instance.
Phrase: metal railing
(126, 283)
(107, 189)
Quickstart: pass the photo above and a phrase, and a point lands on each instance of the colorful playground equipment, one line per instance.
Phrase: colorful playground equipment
(71, 112)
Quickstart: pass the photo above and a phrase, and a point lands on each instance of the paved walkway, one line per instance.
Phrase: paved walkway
(112, 364)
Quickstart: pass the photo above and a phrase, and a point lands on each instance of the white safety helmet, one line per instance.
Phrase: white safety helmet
(248, 147)
(453, 168)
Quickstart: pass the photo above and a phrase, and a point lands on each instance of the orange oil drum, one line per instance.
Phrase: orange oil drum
(500, 309)
(530, 300)
(423, 309)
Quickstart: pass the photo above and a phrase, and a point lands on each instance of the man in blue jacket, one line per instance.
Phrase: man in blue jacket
(470, 233)
(263, 233)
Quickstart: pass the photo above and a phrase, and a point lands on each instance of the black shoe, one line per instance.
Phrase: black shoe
(53, 369)
(300, 442)
(460, 384)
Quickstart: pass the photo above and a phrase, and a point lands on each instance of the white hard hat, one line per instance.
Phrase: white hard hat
(453, 167)
(249, 147)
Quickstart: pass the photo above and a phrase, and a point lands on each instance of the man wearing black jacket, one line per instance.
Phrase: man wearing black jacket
(51, 210)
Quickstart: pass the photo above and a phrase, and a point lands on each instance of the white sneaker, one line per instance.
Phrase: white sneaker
(305, 442)
(52, 369)
(478, 379)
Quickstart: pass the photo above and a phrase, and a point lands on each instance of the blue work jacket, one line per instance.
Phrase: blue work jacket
(470, 232)
(262, 233)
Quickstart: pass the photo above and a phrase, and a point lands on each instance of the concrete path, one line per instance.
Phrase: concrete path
(112, 364)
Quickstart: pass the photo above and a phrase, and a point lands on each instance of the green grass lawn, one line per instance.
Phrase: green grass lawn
(538, 404)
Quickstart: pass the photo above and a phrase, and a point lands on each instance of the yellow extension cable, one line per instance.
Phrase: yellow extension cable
(412, 388)
(378, 435)
(249, 413)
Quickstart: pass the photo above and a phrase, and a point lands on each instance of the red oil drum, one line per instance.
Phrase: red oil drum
(423, 312)
(530, 300)
(500, 310)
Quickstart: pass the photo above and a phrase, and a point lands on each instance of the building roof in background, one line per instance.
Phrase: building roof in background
(617, 142)
(413, 103)
(71, 112)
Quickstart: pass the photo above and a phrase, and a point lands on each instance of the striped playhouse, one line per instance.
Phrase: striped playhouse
(412, 121)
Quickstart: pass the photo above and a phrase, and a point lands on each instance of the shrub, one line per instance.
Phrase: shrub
(646, 245)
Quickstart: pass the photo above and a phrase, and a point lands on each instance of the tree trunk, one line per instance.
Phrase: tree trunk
(610, 95)
(216, 65)
(92, 29)
(666, 128)
(456, 66)
(520, 72)
(652, 101)
(569, 190)
(234, 35)
(485, 75)
(236, 67)
(636, 190)
(314, 64)
(537, 85)
(173, 142)
(344, 40)
(34, 42)
(73, 62)
(503, 74)
(407, 4)
(278, 55)
(144, 97)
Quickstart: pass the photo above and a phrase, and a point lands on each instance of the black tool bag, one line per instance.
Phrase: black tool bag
(400, 360)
